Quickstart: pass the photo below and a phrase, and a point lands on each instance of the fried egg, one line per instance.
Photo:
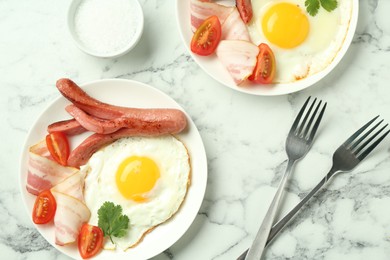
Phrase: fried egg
(303, 44)
(147, 176)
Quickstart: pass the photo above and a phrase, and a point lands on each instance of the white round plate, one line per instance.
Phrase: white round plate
(215, 69)
(131, 94)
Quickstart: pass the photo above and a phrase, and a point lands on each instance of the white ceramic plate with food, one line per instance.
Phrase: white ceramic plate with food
(212, 66)
(131, 94)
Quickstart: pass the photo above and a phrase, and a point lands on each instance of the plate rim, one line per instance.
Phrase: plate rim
(269, 90)
(201, 164)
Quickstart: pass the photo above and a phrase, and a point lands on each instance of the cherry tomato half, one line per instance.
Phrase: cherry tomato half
(264, 71)
(245, 9)
(58, 146)
(206, 38)
(44, 208)
(90, 240)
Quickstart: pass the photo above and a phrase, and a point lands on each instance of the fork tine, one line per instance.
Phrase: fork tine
(358, 132)
(317, 123)
(369, 140)
(356, 143)
(370, 148)
(298, 118)
(303, 123)
(311, 118)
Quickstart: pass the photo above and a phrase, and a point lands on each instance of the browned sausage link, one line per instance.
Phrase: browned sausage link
(143, 125)
(69, 127)
(91, 123)
(144, 117)
(81, 154)
(81, 99)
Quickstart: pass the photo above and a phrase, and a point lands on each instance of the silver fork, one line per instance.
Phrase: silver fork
(345, 159)
(298, 143)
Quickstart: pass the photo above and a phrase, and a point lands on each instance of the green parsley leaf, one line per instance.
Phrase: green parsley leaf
(111, 220)
(329, 5)
(312, 6)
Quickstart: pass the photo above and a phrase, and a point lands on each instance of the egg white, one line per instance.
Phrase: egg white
(326, 35)
(165, 198)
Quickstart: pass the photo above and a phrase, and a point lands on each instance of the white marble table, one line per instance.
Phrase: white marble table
(243, 135)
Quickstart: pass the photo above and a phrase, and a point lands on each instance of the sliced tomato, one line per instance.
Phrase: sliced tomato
(264, 71)
(58, 146)
(245, 9)
(90, 240)
(44, 207)
(207, 37)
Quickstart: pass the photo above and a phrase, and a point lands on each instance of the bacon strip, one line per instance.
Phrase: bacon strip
(71, 213)
(239, 58)
(69, 127)
(66, 185)
(234, 28)
(201, 10)
(72, 186)
(43, 173)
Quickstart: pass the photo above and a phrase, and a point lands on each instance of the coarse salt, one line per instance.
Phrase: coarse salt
(106, 26)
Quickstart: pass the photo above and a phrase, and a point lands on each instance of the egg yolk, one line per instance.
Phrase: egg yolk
(136, 176)
(285, 25)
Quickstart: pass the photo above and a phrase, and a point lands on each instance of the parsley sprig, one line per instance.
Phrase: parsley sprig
(312, 6)
(111, 220)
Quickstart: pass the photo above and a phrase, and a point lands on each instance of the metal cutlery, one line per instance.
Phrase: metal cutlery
(298, 143)
(345, 159)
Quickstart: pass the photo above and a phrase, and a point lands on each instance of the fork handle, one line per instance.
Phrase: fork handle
(283, 222)
(256, 250)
